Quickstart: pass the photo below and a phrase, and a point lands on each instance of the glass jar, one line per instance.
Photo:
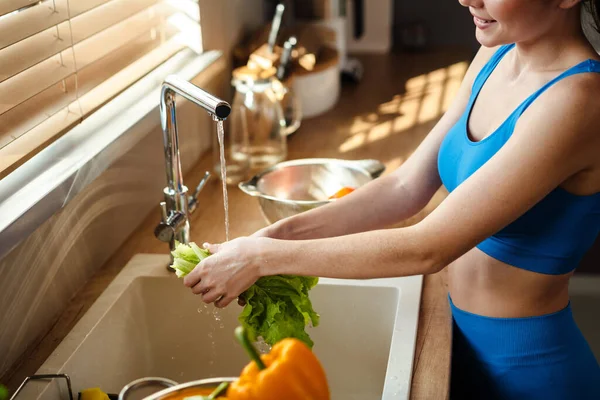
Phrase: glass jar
(237, 162)
(290, 105)
(257, 111)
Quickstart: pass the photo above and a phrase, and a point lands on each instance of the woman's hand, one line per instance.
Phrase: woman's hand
(231, 269)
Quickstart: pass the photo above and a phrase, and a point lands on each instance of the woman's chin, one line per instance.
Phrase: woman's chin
(487, 40)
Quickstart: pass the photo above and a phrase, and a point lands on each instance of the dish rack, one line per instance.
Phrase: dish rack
(169, 386)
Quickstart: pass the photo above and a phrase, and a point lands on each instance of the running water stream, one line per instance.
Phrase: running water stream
(221, 137)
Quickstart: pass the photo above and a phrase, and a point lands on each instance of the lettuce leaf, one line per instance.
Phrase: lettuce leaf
(277, 307)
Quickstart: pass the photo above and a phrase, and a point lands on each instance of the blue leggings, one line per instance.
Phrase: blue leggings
(545, 358)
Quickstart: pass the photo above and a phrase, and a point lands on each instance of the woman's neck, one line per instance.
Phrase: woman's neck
(557, 49)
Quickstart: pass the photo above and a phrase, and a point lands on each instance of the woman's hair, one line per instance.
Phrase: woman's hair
(593, 7)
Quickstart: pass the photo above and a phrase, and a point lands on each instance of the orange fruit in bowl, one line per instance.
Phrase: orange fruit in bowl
(341, 193)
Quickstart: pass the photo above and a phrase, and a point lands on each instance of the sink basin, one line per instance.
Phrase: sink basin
(147, 324)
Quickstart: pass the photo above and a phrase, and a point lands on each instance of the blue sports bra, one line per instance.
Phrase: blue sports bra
(552, 236)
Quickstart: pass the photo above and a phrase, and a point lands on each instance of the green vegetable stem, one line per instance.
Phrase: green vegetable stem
(3, 392)
(221, 389)
(242, 337)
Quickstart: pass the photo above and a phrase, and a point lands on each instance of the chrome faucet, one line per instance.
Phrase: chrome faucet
(177, 207)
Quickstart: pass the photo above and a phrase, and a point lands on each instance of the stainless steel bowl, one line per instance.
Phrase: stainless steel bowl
(292, 187)
(173, 388)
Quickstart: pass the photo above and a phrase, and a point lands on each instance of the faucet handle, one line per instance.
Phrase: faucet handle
(193, 199)
(169, 225)
(164, 232)
(163, 211)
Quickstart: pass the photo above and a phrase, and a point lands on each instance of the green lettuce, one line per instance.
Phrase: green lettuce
(186, 257)
(277, 307)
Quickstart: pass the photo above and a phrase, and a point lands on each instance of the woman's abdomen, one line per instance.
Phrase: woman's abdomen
(482, 285)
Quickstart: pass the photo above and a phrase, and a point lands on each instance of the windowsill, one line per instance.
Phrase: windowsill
(49, 180)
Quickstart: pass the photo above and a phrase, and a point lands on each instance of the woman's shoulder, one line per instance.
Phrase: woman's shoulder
(572, 104)
(581, 82)
(578, 92)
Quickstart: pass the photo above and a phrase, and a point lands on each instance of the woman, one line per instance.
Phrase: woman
(518, 152)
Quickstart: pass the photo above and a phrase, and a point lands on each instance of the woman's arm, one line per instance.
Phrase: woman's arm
(555, 139)
(389, 199)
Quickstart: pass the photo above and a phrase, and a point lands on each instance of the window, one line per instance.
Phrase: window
(62, 59)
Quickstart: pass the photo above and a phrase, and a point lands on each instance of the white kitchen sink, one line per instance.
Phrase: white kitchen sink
(147, 323)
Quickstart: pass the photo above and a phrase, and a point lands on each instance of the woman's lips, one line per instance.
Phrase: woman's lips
(483, 23)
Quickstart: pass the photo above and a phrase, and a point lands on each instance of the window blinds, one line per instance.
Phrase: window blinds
(62, 59)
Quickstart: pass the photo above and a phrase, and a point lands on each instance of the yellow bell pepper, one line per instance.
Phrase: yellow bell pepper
(289, 372)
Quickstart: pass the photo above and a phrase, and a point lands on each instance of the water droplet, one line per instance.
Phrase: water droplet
(262, 347)
(210, 335)
(172, 358)
(217, 314)
(199, 310)
(396, 393)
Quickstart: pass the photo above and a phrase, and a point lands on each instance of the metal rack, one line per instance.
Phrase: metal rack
(44, 377)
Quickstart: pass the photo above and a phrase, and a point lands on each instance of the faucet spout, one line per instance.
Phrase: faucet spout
(215, 106)
(176, 208)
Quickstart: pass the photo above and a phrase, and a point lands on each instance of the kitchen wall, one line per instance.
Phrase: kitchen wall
(451, 24)
(448, 23)
(41, 275)
(228, 21)
(591, 262)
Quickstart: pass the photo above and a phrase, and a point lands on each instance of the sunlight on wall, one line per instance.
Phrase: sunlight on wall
(354, 142)
(408, 109)
(391, 107)
(359, 126)
(456, 74)
(393, 164)
(379, 132)
(431, 107)
(426, 99)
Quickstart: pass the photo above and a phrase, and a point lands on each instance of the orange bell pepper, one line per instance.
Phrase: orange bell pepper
(341, 193)
(289, 372)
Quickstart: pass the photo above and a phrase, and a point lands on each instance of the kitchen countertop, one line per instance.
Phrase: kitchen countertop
(384, 117)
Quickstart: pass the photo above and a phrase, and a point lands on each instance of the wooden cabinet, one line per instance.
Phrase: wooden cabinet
(591, 262)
